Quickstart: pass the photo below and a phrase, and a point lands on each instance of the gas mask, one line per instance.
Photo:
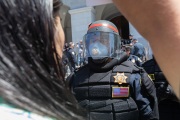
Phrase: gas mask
(98, 51)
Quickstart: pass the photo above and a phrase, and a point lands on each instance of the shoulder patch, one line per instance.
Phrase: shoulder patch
(151, 76)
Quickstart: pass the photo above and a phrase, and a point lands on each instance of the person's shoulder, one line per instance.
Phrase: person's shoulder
(136, 45)
(133, 56)
(81, 73)
(71, 51)
(134, 68)
(150, 62)
(137, 58)
(127, 63)
(82, 69)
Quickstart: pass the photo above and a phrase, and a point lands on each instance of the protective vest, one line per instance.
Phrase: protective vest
(154, 72)
(106, 95)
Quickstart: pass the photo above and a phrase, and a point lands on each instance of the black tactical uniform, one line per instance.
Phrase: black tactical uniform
(164, 90)
(72, 59)
(169, 105)
(111, 88)
(133, 58)
(138, 50)
(96, 88)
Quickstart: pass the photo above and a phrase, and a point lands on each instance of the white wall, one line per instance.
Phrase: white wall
(80, 20)
(74, 4)
(97, 2)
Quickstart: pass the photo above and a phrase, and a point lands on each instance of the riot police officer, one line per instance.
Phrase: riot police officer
(109, 86)
(169, 105)
(164, 90)
(138, 49)
(72, 56)
(133, 58)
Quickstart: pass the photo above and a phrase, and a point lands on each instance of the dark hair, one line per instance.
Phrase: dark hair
(31, 75)
(127, 48)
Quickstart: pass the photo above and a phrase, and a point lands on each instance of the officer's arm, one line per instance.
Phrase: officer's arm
(142, 99)
(149, 88)
(161, 19)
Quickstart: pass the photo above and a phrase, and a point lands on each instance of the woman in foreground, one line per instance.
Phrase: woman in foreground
(31, 79)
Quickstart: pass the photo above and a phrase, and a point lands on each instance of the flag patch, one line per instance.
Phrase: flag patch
(120, 92)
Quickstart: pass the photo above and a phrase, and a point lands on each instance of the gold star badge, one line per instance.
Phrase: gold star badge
(120, 78)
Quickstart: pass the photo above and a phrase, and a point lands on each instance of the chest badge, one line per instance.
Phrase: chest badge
(120, 78)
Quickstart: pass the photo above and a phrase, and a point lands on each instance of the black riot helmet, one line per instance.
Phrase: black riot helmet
(102, 40)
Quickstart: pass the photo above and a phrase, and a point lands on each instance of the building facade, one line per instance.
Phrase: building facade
(76, 15)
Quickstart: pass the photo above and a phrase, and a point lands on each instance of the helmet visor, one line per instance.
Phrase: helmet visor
(102, 44)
